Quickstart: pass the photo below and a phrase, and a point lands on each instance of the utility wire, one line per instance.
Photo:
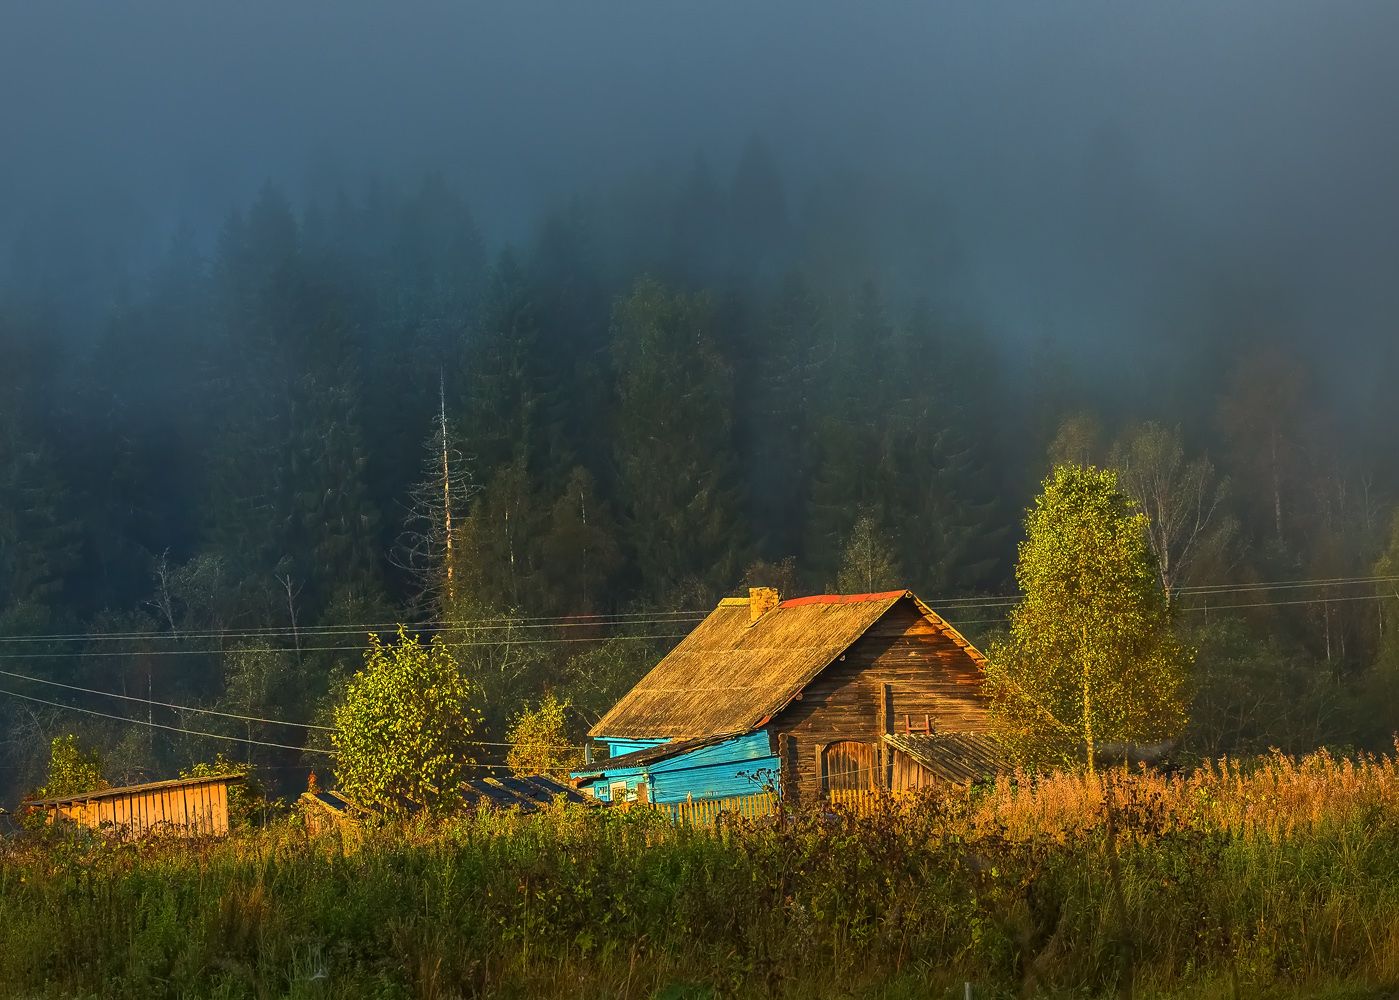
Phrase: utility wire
(314, 649)
(1008, 603)
(571, 621)
(614, 620)
(159, 725)
(1284, 604)
(165, 704)
(231, 715)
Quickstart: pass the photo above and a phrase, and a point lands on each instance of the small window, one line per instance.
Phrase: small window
(617, 791)
(847, 767)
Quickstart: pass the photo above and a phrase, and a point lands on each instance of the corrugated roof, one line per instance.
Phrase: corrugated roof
(524, 793)
(150, 786)
(556, 788)
(958, 757)
(332, 801)
(730, 675)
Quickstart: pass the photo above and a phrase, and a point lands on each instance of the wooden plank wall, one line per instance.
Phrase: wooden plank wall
(903, 666)
(183, 811)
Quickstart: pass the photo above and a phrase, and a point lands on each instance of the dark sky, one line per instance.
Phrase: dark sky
(1090, 158)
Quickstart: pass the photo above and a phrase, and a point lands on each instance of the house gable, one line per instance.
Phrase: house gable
(732, 673)
(909, 671)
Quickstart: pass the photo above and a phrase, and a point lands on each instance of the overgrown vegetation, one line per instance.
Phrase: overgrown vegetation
(1270, 876)
(71, 769)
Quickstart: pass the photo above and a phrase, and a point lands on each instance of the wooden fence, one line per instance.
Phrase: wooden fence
(706, 812)
(868, 802)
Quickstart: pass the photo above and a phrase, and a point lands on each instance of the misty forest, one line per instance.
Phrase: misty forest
(692, 501)
(221, 472)
(255, 405)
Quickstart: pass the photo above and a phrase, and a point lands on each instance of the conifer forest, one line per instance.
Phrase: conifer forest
(678, 501)
(227, 471)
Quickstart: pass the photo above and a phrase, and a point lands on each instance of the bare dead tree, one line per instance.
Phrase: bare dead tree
(427, 548)
(1181, 498)
(164, 602)
(292, 592)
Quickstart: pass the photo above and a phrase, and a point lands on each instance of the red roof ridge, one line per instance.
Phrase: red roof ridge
(797, 602)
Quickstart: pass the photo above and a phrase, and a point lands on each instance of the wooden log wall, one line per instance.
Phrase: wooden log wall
(905, 666)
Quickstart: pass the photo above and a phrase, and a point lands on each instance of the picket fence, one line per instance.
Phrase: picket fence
(707, 812)
(867, 802)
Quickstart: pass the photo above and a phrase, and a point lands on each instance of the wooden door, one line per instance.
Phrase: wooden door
(848, 766)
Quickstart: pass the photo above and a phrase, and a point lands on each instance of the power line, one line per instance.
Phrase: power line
(159, 725)
(1004, 602)
(244, 718)
(280, 631)
(258, 743)
(1283, 604)
(1286, 584)
(284, 650)
(165, 704)
(614, 620)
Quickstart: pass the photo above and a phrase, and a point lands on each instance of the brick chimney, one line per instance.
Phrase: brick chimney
(761, 600)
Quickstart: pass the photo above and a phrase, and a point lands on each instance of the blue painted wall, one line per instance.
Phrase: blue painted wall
(618, 747)
(742, 765)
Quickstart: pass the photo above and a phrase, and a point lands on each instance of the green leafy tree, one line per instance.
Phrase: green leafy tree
(71, 770)
(869, 565)
(539, 741)
(403, 731)
(1091, 659)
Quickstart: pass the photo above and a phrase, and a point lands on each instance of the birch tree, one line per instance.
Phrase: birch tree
(1090, 659)
(1181, 498)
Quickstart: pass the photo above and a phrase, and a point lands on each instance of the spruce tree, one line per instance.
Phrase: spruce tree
(675, 448)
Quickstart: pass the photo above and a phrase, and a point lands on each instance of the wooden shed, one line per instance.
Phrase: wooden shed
(806, 696)
(184, 807)
(328, 810)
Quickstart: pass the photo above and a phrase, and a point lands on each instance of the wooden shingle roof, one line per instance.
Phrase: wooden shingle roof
(730, 675)
(149, 786)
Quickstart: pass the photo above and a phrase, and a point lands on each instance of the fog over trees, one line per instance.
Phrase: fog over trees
(661, 304)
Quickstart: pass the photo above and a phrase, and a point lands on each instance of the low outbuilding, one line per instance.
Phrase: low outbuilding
(184, 807)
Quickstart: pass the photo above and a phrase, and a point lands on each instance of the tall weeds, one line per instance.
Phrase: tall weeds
(1274, 874)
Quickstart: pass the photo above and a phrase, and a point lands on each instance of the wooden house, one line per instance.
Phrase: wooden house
(806, 697)
(185, 807)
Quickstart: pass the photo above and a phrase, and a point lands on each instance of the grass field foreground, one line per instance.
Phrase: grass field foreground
(1276, 877)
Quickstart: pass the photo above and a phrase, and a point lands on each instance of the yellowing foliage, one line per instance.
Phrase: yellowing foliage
(539, 741)
(403, 731)
(71, 770)
(1091, 658)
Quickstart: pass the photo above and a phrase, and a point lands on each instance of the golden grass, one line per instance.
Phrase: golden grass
(1273, 797)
